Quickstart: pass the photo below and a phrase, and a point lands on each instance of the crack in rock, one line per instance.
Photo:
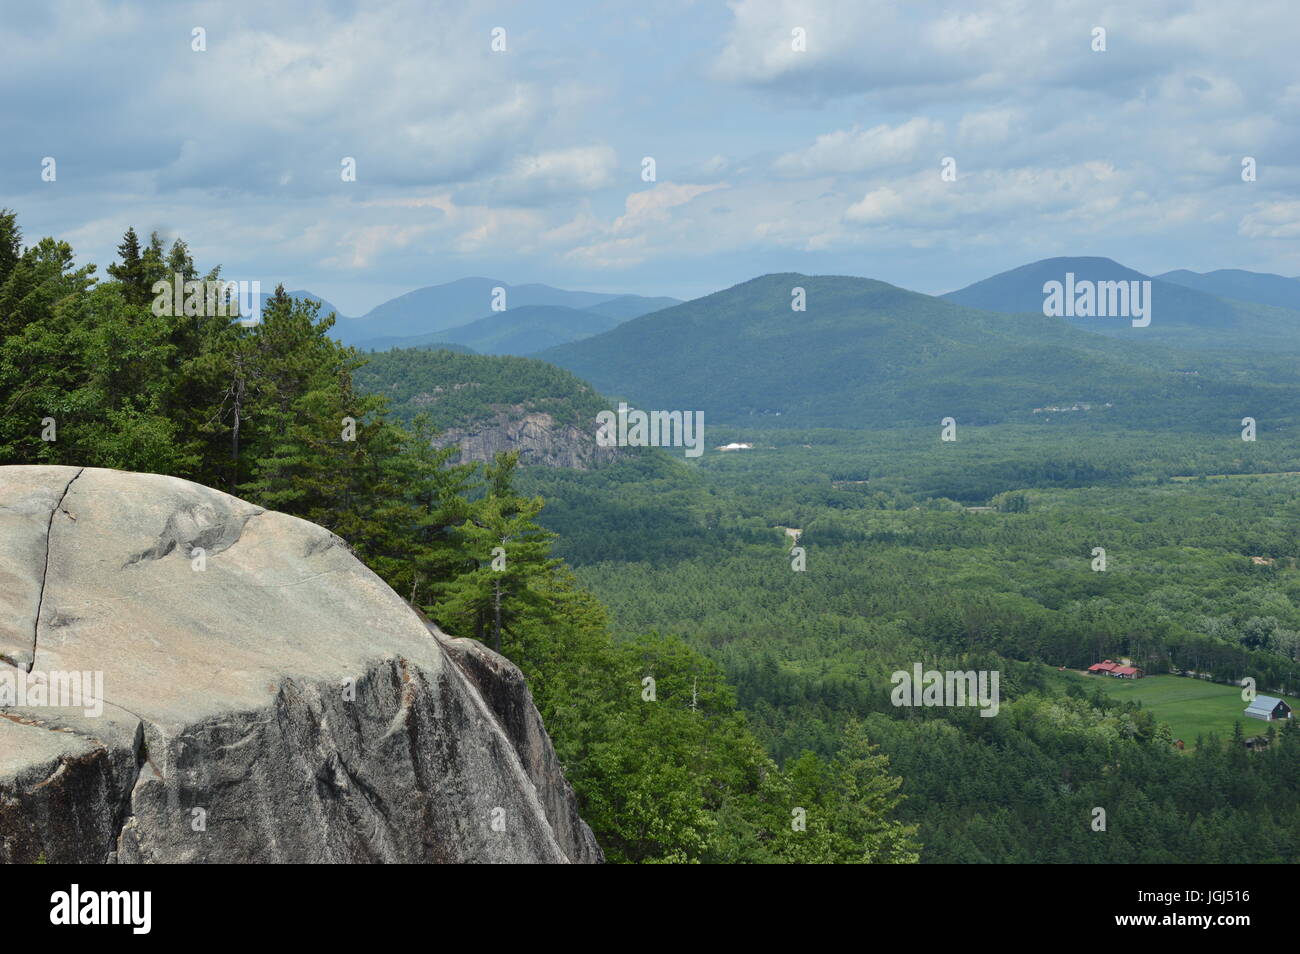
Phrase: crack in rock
(311, 721)
(49, 533)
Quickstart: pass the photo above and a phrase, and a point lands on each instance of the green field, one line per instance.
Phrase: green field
(1190, 706)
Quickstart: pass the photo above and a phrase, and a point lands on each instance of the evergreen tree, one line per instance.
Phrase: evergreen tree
(512, 556)
(11, 243)
(179, 261)
(418, 550)
(130, 270)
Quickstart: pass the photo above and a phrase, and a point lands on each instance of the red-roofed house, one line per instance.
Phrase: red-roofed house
(1115, 669)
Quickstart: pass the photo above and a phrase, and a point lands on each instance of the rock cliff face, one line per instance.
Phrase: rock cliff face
(265, 697)
(538, 437)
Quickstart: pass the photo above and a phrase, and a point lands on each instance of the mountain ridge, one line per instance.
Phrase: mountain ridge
(1263, 288)
(435, 308)
(867, 353)
(520, 331)
(1181, 314)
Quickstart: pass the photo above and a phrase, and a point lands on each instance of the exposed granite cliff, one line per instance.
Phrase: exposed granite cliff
(268, 701)
(505, 691)
(538, 437)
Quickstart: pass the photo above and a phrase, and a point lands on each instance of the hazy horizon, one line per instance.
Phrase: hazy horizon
(527, 163)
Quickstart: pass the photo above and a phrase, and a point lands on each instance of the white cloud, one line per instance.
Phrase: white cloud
(559, 173)
(472, 162)
(364, 245)
(857, 150)
(1275, 220)
(1085, 191)
(652, 205)
(989, 126)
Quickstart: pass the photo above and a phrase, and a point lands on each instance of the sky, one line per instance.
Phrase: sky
(527, 164)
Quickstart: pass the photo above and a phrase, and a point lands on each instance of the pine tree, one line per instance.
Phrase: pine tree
(414, 544)
(512, 557)
(153, 265)
(130, 270)
(179, 261)
(11, 243)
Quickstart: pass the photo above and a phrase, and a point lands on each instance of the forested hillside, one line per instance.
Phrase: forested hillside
(867, 355)
(457, 389)
(665, 766)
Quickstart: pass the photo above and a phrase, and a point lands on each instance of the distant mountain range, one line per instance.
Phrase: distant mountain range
(866, 353)
(462, 313)
(869, 354)
(1262, 288)
(521, 331)
(1226, 308)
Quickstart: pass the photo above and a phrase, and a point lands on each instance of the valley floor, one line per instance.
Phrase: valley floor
(1198, 575)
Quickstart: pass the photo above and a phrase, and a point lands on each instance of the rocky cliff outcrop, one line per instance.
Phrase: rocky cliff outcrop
(538, 437)
(504, 689)
(264, 697)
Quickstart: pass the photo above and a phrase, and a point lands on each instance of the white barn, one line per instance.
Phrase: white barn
(1268, 709)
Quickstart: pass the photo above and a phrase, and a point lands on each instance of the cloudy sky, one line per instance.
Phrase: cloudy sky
(527, 164)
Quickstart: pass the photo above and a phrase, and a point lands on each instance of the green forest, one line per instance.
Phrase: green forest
(665, 764)
(453, 388)
(712, 701)
(977, 554)
(896, 576)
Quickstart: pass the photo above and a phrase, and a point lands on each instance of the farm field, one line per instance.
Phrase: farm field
(1190, 706)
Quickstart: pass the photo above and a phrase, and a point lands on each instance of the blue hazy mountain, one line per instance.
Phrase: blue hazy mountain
(1183, 315)
(521, 331)
(1262, 288)
(631, 306)
(450, 305)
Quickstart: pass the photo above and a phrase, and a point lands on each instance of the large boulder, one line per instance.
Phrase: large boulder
(265, 696)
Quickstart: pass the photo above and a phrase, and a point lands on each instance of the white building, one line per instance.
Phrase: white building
(1268, 709)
